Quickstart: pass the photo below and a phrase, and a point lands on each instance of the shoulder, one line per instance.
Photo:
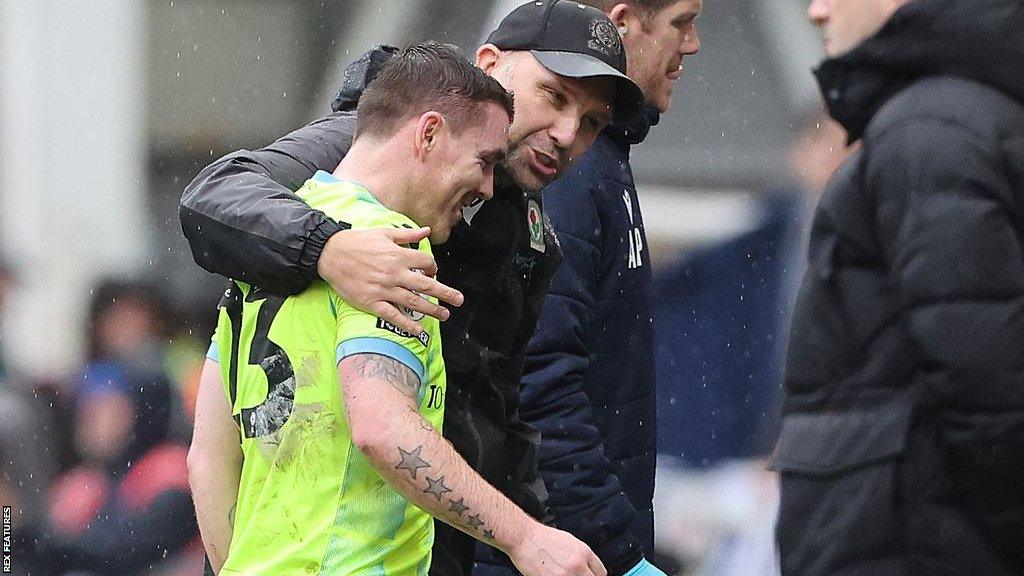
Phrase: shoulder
(350, 202)
(967, 107)
(343, 123)
(940, 125)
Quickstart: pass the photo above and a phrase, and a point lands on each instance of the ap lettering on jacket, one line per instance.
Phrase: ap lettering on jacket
(636, 240)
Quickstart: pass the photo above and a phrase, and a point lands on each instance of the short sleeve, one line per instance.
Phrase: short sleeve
(362, 333)
(213, 353)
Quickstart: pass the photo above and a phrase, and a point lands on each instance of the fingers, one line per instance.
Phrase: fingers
(596, 566)
(429, 286)
(408, 235)
(389, 313)
(411, 257)
(414, 301)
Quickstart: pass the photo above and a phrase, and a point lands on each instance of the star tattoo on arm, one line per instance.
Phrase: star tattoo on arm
(436, 487)
(412, 461)
(475, 522)
(458, 506)
(489, 534)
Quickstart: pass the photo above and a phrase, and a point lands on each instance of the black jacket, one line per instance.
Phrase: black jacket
(902, 443)
(589, 380)
(243, 221)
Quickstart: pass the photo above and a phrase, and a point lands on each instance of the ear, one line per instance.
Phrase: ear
(622, 16)
(428, 131)
(487, 57)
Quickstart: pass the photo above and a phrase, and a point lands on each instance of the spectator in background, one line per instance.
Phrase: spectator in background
(722, 317)
(721, 322)
(125, 506)
(902, 439)
(131, 332)
(126, 326)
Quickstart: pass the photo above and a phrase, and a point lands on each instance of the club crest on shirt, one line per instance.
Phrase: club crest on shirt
(414, 315)
(535, 224)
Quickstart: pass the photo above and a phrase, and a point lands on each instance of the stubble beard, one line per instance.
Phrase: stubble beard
(516, 165)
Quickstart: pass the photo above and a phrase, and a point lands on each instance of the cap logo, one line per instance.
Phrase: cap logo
(604, 38)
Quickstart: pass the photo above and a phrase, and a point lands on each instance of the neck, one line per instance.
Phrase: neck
(371, 163)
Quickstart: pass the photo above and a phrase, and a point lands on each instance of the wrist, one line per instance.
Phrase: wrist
(519, 530)
(316, 240)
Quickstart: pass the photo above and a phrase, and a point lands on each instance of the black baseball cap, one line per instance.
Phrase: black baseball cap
(572, 40)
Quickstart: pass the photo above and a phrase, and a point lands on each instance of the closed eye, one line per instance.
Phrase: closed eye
(684, 21)
(557, 97)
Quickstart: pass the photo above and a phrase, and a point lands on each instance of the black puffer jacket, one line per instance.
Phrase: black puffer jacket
(902, 444)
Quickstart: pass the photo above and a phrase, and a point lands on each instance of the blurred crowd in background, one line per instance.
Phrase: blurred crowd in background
(92, 449)
(94, 465)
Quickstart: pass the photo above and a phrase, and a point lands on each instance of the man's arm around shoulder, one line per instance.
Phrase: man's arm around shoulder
(242, 220)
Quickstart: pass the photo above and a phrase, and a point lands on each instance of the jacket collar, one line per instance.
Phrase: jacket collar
(633, 130)
(981, 40)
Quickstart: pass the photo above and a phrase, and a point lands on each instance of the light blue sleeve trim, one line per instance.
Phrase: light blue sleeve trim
(213, 353)
(383, 347)
(325, 177)
(645, 568)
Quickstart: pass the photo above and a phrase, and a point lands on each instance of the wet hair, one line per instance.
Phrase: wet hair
(426, 77)
(646, 8)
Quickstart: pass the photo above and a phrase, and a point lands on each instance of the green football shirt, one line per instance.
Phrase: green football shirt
(308, 501)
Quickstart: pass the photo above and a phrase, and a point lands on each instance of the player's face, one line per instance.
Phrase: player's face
(656, 45)
(556, 120)
(463, 165)
(846, 23)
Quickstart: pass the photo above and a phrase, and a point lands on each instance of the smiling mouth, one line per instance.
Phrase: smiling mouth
(545, 161)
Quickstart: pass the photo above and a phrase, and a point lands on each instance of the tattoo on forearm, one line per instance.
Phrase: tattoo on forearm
(475, 522)
(394, 372)
(411, 461)
(458, 506)
(436, 487)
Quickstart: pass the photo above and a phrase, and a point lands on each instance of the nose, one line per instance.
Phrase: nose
(486, 190)
(691, 42)
(817, 12)
(565, 130)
